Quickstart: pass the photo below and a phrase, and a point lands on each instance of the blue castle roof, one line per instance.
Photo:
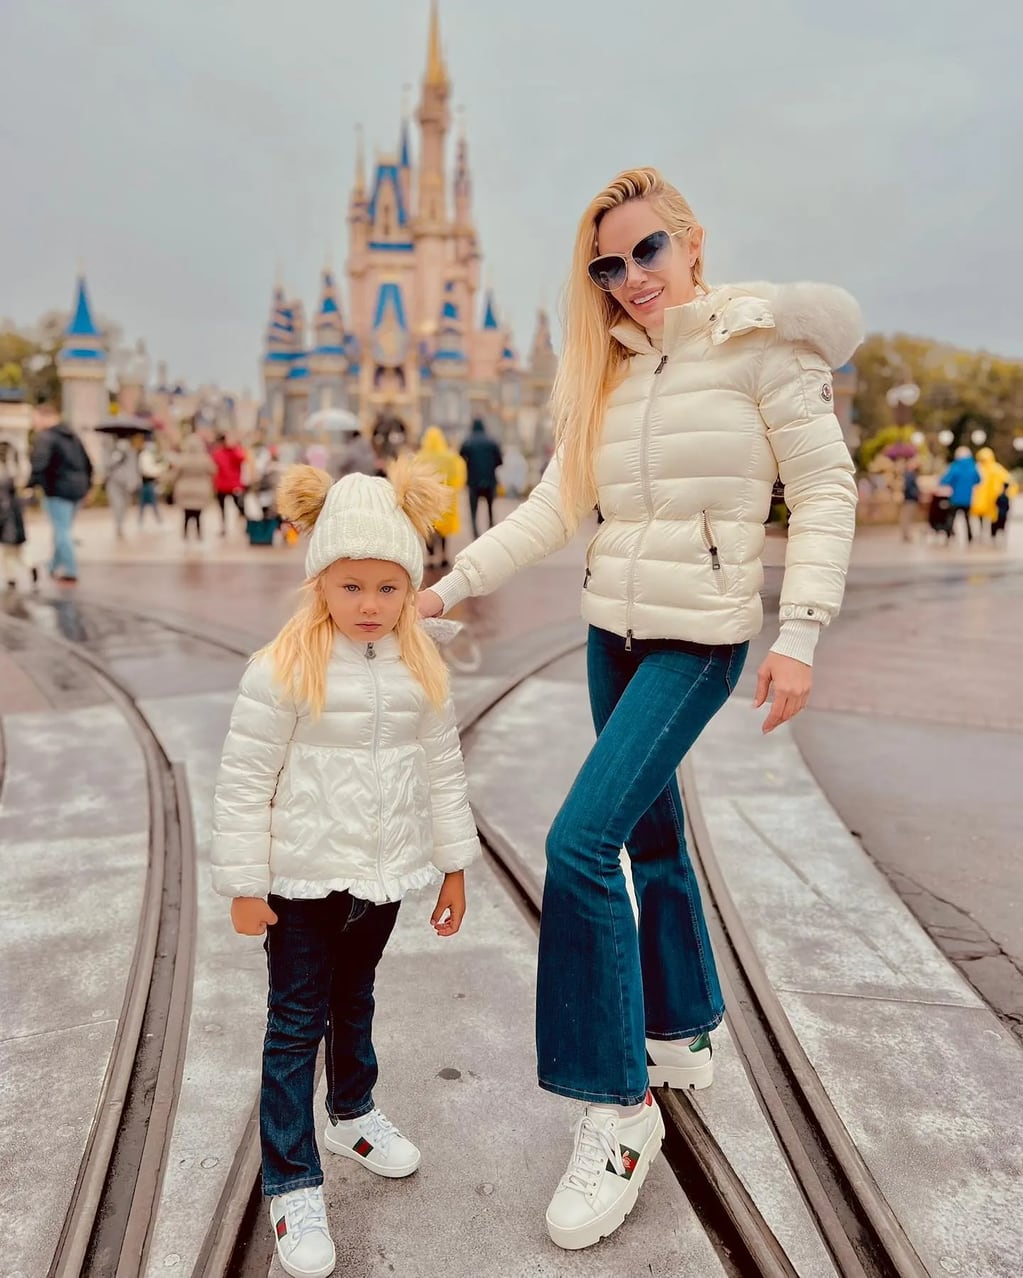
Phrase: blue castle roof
(387, 175)
(490, 317)
(81, 324)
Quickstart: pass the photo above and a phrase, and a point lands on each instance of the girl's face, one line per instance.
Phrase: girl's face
(646, 292)
(365, 597)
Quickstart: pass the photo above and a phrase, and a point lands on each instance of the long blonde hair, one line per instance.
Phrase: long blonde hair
(302, 651)
(592, 361)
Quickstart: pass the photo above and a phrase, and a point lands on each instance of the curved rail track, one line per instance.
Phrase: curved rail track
(112, 1212)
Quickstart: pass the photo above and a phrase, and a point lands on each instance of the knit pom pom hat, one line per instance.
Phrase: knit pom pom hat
(361, 517)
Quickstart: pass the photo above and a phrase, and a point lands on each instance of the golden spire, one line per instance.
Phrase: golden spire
(360, 163)
(436, 72)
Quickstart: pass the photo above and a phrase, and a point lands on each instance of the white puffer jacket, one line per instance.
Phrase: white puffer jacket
(739, 392)
(371, 797)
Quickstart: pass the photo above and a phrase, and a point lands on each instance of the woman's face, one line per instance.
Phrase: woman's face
(647, 294)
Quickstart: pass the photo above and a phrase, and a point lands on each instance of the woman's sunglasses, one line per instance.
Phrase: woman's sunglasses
(651, 254)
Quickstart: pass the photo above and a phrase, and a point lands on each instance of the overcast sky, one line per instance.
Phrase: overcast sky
(185, 149)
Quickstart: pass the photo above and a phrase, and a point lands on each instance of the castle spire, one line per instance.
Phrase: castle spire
(82, 324)
(359, 193)
(463, 182)
(436, 72)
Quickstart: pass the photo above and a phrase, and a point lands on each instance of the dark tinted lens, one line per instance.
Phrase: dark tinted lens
(609, 272)
(652, 252)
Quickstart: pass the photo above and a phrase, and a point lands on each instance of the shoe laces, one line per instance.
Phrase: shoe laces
(595, 1146)
(378, 1129)
(306, 1212)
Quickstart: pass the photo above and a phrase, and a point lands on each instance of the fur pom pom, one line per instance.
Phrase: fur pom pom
(420, 491)
(301, 494)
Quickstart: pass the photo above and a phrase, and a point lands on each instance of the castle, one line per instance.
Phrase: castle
(418, 343)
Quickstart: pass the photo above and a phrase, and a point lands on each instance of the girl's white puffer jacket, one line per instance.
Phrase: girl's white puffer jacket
(371, 797)
(739, 391)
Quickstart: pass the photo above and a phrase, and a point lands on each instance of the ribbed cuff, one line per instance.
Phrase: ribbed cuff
(798, 639)
(452, 589)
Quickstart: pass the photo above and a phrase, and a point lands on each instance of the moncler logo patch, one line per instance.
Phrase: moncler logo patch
(826, 393)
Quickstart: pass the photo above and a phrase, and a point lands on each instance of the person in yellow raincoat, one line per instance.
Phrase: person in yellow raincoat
(994, 480)
(452, 470)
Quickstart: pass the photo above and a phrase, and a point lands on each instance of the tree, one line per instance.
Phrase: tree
(960, 391)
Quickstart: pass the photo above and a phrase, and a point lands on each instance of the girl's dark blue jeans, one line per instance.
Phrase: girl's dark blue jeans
(322, 957)
(604, 986)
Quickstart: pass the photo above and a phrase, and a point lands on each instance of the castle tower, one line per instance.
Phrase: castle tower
(327, 360)
(450, 369)
(431, 223)
(277, 360)
(466, 242)
(82, 368)
(133, 380)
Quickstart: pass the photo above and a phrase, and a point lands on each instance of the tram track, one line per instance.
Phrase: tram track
(862, 1236)
(116, 1191)
(109, 1223)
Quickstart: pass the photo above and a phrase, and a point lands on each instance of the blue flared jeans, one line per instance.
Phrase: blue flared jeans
(605, 985)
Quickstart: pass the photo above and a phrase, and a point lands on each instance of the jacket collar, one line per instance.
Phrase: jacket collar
(383, 649)
(820, 316)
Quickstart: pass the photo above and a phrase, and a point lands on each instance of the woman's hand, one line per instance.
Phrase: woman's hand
(429, 604)
(789, 681)
(251, 915)
(450, 903)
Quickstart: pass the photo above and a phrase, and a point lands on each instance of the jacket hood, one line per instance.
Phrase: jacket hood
(434, 441)
(821, 316)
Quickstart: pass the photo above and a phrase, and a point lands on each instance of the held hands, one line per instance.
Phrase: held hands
(430, 604)
(450, 903)
(791, 681)
(250, 915)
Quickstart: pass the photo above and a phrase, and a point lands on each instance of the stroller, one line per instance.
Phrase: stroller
(939, 511)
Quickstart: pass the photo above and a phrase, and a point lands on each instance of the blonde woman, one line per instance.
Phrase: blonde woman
(676, 406)
(341, 789)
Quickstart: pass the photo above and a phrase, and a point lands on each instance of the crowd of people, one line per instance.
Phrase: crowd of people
(142, 473)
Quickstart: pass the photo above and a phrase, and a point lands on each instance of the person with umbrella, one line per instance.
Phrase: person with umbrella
(123, 481)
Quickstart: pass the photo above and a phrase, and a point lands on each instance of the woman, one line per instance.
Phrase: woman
(994, 481)
(676, 407)
(122, 482)
(194, 470)
(451, 469)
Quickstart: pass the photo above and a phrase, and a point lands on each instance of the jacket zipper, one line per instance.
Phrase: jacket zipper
(370, 658)
(712, 550)
(648, 500)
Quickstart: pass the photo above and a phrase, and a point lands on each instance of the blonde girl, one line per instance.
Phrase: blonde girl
(341, 789)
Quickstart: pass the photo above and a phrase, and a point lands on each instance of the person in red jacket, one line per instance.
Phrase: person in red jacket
(229, 459)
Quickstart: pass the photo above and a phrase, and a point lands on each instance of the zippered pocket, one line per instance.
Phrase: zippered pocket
(589, 554)
(710, 541)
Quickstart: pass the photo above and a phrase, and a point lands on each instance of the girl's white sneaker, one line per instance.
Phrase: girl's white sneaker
(681, 1063)
(375, 1142)
(304, 1245)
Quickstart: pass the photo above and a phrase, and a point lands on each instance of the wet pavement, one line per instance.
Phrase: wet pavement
(915, 738)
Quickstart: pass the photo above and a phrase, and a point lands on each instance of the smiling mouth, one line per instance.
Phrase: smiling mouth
(645, 299)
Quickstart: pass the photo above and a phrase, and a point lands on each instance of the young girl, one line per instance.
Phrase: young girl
(341, 788)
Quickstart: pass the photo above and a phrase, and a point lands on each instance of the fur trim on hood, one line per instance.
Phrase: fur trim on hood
(819, 315)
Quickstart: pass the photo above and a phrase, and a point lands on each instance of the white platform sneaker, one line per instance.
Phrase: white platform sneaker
(681, 1063)
(304, 1245)
(375, 1142)
(609, 1163)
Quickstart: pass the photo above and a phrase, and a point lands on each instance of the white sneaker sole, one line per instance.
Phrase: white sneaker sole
(682, 1077)
(389, 1173)
(292, 1269)
(614, 1216)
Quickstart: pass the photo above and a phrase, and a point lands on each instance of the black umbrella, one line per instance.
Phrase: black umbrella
(125, 427)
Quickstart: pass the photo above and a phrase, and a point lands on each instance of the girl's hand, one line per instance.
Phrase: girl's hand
(429, 603)
(251, 914)
(450, 902)
(791, 681)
